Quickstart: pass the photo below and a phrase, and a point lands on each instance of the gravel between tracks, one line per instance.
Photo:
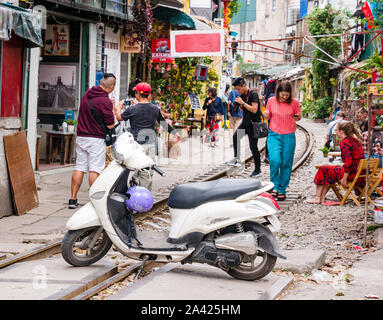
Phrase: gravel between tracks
(330, 228)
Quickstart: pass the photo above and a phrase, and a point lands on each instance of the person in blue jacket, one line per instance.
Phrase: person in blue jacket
(214, 106)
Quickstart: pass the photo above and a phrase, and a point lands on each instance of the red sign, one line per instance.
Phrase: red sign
(161, 51)
(197, 43)
(368, 14)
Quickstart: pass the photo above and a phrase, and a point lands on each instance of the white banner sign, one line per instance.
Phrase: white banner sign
(200, 4)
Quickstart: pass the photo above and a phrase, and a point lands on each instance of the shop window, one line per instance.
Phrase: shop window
(91, 3)
(116, 5)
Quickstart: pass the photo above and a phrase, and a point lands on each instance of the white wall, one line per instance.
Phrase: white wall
(246, 31)
(112, 51)
(92, 54)
(344, 4)
(271, 24)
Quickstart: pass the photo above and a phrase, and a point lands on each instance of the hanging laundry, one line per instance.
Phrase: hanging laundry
(6, 22)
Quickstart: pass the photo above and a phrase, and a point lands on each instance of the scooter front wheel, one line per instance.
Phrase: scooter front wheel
(75, 246)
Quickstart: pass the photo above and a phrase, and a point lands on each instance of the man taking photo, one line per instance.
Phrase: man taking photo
(248, 102)
(143, 117)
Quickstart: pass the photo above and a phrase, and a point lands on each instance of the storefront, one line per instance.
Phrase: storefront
(20, 36)
(81, 43)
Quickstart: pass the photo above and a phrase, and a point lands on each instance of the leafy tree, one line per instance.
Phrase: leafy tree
(234, 7)
(325, 21)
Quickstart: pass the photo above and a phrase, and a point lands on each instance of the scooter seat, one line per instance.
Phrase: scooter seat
(192, 195)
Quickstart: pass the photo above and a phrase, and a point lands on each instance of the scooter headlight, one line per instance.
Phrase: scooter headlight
(117, 156)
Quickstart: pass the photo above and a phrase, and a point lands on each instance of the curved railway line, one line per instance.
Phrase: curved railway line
(156, 216)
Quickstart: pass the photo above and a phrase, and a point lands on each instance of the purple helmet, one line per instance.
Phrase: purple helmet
(139, 199)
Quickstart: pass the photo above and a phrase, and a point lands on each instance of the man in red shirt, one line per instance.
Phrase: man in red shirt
(90, 141)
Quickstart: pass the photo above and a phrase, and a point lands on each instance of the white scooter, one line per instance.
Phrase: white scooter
(227, 223)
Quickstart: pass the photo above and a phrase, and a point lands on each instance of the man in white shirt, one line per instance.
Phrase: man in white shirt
(341, 116)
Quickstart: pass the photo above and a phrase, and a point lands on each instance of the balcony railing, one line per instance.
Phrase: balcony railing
(112, 7)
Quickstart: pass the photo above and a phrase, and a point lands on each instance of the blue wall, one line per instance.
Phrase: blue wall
(303, 9)
(246, 13)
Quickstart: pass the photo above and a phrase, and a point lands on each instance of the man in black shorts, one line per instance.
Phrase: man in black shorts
(248, 101)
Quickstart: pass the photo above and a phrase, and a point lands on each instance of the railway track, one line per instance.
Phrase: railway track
(158, 213)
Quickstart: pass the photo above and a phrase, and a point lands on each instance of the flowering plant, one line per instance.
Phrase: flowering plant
(71, 122)
(175, 89)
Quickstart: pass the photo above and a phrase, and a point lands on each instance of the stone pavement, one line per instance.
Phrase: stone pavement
(47, 222)
(362, 279)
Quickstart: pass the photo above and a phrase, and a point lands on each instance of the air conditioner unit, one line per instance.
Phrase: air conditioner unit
(218, 21)
(292, 16)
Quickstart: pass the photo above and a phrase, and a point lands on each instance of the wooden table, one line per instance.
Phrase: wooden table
(66, 141)
(334, 154)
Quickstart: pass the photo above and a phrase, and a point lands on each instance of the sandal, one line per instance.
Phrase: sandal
(313, 200)
(274, 194)
(281, 197)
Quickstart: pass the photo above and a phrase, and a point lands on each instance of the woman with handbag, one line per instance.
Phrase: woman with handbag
(213, 105)
(282, 112)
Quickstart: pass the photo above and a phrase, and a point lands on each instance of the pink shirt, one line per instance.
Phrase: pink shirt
(281, 115)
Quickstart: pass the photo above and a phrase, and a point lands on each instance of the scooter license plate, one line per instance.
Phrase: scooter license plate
(274, 221)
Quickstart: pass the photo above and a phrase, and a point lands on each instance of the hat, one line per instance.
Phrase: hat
(143, 88)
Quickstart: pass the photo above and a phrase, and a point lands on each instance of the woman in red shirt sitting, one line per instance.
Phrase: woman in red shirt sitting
(351, 152)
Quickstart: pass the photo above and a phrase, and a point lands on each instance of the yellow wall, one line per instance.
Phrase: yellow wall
(186, 6)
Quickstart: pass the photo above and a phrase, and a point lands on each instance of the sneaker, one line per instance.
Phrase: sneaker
(73, 204)
(266, 160)
(234, 163)
(256, 174)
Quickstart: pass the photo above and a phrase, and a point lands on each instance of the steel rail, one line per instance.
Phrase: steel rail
(54, 247)
(121, 276)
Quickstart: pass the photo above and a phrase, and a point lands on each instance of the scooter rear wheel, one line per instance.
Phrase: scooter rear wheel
(250, 271)
(257, 266)
(75, 250)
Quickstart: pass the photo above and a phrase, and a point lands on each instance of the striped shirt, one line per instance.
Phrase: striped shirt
(281, 115)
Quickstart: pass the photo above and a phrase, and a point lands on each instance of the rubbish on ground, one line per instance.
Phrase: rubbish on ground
(340, 294)
(355, 247)
(320, 276)
(348, 278)
(371, 296)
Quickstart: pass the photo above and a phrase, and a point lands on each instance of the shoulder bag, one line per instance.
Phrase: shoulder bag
(261, 129)
(110, 134)
(218, 116)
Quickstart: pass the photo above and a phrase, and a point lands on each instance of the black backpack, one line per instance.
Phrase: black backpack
(110, 134)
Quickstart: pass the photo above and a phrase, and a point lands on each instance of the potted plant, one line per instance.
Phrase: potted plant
(71, 124)
(322, 109)
(325, 151)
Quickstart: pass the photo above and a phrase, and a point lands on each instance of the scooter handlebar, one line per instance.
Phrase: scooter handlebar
(159, 171)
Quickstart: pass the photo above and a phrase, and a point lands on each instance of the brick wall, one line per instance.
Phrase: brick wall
(350, 107)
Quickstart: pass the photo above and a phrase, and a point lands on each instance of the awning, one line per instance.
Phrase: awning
(22, 22)
(199, 25)
(170, 3)
(174, 16)
(274, 71)
(299, 70)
